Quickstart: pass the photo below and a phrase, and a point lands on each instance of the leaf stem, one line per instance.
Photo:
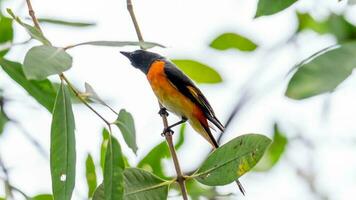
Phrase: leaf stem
(168, 135)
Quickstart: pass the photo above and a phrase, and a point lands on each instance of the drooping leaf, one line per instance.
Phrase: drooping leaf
(113, 171)
(43, 61)
(90, 175)
(42, 197)
(152, 161)
(232, 160)
(65, 22)
(99, 193)
(334, 24)
(322, 73)
(270, 7)
(145, 45)
(233, 41)
(34, 32)
(6, 32)
(140, 184)
(42, 91)
(199, 72)
(274, 152)
(125, 123)
(63, 155)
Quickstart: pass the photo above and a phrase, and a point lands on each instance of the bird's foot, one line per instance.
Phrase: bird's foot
(167, 131)
(163, 112)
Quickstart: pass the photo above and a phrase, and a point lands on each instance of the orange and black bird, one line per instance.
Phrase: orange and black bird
(177, 93)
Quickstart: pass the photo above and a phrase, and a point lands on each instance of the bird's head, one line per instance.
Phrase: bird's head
(141, 59)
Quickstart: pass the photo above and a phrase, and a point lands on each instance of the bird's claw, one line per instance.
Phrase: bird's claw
(163, 112)
(167, 131)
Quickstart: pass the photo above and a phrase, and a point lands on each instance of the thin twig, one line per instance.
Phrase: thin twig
(31, 12)
(168, 135)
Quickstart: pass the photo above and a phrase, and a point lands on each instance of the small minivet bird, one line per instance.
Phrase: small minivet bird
(178, 94)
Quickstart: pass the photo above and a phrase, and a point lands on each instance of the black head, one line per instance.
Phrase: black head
(141, 59)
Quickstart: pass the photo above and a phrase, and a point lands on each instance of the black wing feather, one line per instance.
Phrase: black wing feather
(182, 82)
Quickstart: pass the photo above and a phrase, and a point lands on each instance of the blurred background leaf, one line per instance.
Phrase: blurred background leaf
(3, 117)
(274, 152)
(270, 7)
(6, 32)
(197, 71)
(233, 41)
(323, 73)
(334, 24)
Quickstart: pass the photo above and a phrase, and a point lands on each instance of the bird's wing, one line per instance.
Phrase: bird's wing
(186, 86)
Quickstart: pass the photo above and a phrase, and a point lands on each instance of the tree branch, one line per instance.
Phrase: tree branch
(168, 135)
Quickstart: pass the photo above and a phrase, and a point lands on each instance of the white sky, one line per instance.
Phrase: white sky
(186, 28)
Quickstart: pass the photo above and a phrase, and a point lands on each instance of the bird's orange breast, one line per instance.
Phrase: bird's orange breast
(168, 94)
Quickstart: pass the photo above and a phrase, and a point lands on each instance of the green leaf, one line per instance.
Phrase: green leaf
(145, 45)
(334, 24)
(42, 197)
(233, 41)
(99, 193)
(113, 171)
(34, 32)
(199, 72)
(42, 61)
(65, 22)
(323, 73)
(63, 156)
(270, 7)
(274, 152)
(140, 184)
(42, 91)
(125, 123)
(3, 117)
(152, 161)
(232, 160)
(90, 175)
(6, 32)
(104, 146)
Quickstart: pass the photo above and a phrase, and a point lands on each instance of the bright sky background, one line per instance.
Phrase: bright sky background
(186, 27)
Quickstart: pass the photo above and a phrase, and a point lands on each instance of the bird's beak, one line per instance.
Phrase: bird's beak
(127, 54)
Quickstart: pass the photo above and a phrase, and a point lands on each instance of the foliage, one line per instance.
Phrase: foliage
(233, 41)
(322, 72)
(197, 71)
(270, 7)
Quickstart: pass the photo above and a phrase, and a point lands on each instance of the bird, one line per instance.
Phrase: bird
(178, 94)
